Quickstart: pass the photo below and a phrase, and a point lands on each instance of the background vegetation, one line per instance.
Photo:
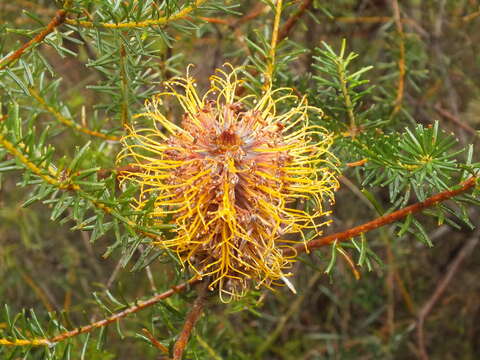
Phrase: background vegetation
(403, 110)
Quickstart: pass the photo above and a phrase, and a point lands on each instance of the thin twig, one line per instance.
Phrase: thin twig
(148, 271)
(258, 10)
(401, 58)
(140, 305)
(114, 274)
(68, 122)
(190, 321)
(401, 286)
(386, 219)
(357, 163)
(138, 24)
(273, 44)
(124, 113)
(213, 20)
(292, 20)
(155, 342)
(57, 20)
(45, 175)
(449, 116)
(342, 72)
(275, 31)
(466, 250)
(356, 191)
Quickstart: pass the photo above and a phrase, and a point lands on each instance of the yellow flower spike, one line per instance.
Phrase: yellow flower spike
(234, 178)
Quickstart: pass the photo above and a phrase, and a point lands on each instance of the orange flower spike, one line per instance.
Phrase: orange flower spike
(233, 176)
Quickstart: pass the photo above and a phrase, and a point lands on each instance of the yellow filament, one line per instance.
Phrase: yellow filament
(212, 194)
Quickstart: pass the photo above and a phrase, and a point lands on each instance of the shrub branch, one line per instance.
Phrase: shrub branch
(101, 323)
(36, 95)
(292, 20)
(57, 20)
(190, 321)
(138, 24)
(386, 219)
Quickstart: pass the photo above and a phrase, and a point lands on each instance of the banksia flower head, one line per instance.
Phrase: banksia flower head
(235, 177)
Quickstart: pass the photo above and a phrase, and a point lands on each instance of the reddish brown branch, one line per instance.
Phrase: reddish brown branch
(190, 321)
(357, 163)
(387, 219)
(155, 342)
(101, 323)
(466, 249)
(449, 116)
(258, 10)
(57, 20)
(290, 23)
(214, 20)
(133, 309)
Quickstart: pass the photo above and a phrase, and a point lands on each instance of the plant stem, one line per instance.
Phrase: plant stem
(140, 24)
(190, 321)
(273, 44)
(344, 87)
(386, 219)
(68, 122)
(57, 20)
(290, 23)
(104, 322)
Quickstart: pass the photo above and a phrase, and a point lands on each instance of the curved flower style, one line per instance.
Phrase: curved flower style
(234, 178)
